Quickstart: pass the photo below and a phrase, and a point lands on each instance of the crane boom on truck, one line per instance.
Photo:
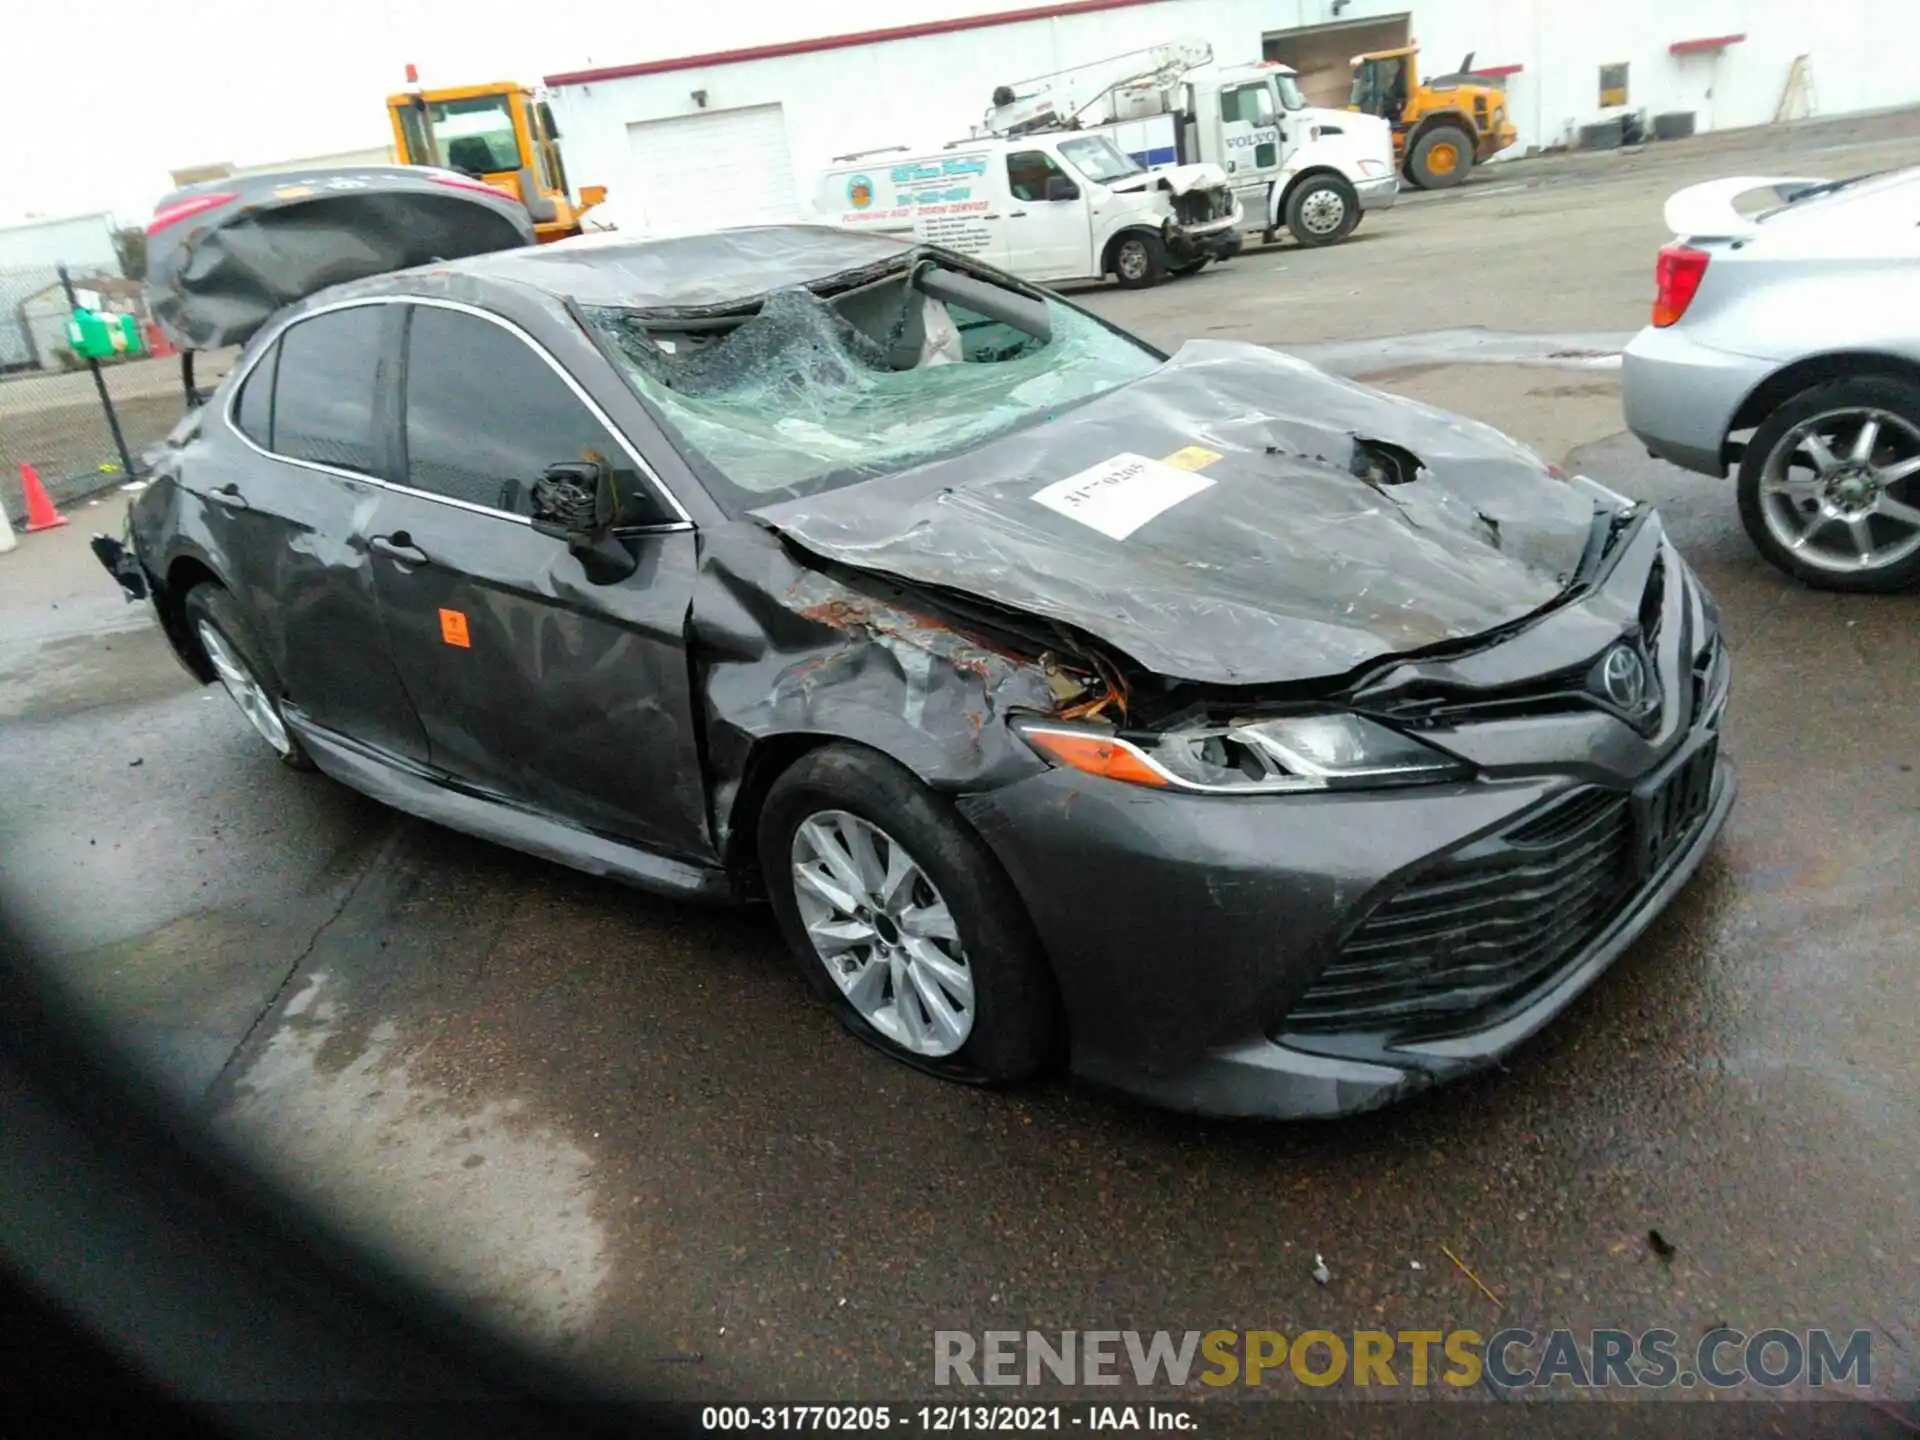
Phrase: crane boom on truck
(1058, 100)
(1312, 172)
(501, 133)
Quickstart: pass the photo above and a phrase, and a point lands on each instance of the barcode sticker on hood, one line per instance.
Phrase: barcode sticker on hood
(1118, 496)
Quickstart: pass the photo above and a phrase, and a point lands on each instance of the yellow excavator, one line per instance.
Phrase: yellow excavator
(499, 133)
(1442, 127)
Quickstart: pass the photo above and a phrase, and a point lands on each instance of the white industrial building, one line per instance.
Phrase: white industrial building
(29, 252)
(737, 137)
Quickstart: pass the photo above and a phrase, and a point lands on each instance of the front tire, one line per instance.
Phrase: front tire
(1322, 210)
(1829, 486)
(1441, 158)
(1139, 261)
(218, 626)
(900, 916)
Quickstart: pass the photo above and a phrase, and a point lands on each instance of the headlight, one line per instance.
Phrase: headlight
(1287, 755)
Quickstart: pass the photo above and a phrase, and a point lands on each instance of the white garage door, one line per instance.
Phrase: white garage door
(717, 168)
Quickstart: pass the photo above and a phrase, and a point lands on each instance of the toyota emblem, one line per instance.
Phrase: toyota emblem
(1623, 676)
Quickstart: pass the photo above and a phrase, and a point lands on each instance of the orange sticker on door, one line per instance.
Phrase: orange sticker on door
(453, 628)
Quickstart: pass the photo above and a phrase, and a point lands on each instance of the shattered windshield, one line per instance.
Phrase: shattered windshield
(810, 394)
(1099, 159)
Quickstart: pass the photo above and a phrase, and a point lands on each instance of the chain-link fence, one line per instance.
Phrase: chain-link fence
(51, 412)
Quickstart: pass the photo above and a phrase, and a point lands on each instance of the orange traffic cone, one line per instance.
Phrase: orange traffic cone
(40, 512)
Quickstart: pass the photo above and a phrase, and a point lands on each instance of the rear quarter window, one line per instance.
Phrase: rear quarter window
(253, 411)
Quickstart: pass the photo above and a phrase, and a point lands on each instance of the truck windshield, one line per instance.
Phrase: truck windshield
(475, 135)
(797, 399)
(1291, 95)
(1099, 159)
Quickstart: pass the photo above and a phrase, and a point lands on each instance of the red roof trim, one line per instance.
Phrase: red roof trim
(1701, 47)
(842, 42)
(1496, 71)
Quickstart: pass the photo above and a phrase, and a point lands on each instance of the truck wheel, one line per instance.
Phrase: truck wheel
(1139, 261)
(1322, 210)
(1441, 158)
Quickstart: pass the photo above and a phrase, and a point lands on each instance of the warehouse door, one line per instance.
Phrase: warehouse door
(713, 169)
(1323, 55)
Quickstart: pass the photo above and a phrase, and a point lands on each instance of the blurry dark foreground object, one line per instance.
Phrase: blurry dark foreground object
(151, 1288)
(142, 1265)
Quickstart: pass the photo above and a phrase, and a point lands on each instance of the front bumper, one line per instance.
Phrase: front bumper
(1378, 194)
(1324, 953)
(1215, 240)
(1679, 397)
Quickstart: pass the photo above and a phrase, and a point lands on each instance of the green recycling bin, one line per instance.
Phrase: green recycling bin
(96, 335)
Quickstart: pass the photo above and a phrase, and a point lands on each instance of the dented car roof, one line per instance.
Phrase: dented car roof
(687, 272)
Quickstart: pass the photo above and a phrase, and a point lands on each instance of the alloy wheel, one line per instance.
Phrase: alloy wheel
(1838, 491)
(248, 693)
(884, 932)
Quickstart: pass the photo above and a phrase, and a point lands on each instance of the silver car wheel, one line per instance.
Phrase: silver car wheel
(1838, 491)
(247, 692)
(883, 931)
(1323, 212)
(1131, 261)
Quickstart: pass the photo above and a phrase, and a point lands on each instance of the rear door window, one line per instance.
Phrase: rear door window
(326, 392)
(487, 415)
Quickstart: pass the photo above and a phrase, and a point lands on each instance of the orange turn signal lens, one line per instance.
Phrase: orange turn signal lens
(1100, 755)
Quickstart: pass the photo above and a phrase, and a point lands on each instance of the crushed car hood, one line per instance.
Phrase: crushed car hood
(1178, 178)
(1233, 519)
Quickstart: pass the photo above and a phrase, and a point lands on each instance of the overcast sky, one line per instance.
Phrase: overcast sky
(110, 95)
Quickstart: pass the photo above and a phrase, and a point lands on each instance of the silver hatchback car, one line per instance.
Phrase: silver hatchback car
(1786, 341)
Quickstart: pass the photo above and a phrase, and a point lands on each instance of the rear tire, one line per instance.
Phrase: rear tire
(220, 629)
(1773, 511)
(1441, 158)
(1139, 260)
(928, 880)
(1322, 210)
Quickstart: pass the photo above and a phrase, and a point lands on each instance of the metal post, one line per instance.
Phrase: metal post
(100, 384)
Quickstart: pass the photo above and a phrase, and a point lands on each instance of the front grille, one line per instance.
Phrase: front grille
(1197, 207)
(1487, 924)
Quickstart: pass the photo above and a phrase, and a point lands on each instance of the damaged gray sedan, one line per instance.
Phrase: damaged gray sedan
(1250, 740)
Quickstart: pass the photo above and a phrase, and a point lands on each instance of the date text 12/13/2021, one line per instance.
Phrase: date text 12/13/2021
(950, 1419)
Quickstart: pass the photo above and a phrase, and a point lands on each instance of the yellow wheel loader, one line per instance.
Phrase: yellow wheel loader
(499, 133)
(1442, 127)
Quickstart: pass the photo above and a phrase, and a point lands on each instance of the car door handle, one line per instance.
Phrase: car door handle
(229, 496)
(399, 546)
(1014, 215)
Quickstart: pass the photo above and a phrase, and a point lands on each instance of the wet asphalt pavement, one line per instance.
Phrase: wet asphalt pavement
(620, 1126)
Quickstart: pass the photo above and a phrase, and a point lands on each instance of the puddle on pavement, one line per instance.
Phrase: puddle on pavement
(74, 673)
(480, 1201)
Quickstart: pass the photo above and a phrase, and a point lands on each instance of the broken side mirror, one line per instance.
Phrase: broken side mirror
(1061, 188)
(579, 501)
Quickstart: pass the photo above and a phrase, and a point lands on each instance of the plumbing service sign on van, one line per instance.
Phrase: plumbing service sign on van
(944, 200)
